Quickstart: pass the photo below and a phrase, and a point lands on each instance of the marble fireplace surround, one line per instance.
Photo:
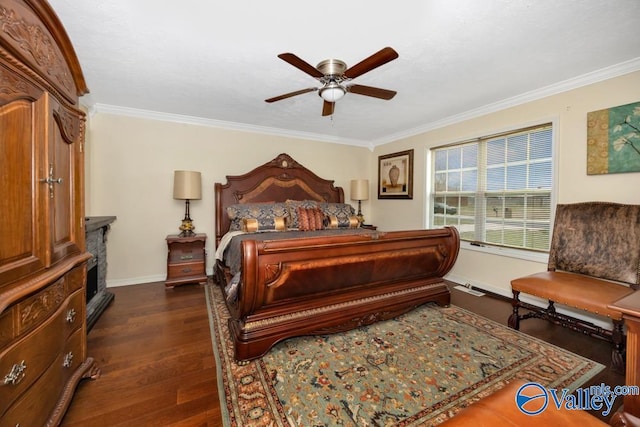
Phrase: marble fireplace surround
(98, 298)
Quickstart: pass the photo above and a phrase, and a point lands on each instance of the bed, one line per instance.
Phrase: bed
(282, 283)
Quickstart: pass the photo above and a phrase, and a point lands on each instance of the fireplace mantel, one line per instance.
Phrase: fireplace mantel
(98, 298)
(93, 223)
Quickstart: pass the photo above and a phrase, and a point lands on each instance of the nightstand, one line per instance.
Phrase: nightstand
(186, 262)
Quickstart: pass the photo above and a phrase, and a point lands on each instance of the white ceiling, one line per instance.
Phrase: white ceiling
(215, 62)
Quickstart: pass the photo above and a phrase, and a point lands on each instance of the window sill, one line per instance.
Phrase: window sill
(540, 257)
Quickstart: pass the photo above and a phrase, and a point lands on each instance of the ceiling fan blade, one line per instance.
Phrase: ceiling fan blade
(374, 61)
(327, 108)
(290, 94)
(376, 92)
(301, 64)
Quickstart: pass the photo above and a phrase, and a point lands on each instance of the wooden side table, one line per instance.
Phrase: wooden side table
(186, 262)
(629, 306)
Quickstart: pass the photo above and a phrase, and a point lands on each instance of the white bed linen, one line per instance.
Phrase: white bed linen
(224, 242)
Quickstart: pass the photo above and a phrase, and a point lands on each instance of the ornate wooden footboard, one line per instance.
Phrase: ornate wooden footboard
(323, 284)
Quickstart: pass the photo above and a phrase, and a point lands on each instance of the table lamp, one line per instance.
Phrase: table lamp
(187, 185)
(360, 192)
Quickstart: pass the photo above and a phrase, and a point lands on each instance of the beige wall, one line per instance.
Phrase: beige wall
(130, 164)
(569, 113)
(129, 174)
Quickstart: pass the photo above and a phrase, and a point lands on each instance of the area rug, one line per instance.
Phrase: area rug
(418, 369)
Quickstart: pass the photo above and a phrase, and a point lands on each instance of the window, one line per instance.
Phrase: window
(496, 190)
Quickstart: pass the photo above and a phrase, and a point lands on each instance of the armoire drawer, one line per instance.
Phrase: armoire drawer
(24, 362)
(25, 315)
(18, 319)
(75, 279)
(36, 405)
(73, 312)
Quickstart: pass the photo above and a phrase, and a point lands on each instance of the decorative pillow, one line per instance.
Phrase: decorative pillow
(318, 218)
(333, 221)
(293, 206)
(310, 219)
(253, 225)
(340, 215)
(258, 211)
(337, 209)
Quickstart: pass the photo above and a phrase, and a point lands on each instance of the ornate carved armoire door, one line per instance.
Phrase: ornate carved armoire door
(62, 175)
(22, 198)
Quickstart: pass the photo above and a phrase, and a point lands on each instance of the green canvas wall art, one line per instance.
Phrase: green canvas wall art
(613, 140)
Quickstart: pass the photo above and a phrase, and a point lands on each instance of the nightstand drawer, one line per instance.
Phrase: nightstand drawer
(186, 269)
(186, 252)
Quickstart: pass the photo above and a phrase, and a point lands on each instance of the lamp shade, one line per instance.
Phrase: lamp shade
(187, 185)
(359, 189)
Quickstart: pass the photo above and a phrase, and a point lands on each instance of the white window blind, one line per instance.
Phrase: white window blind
(496, 190)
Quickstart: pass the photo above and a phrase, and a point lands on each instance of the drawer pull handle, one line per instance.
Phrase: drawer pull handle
(186, 270)
(71, 315)
(182, 257)
(17, 373)
(68, 360)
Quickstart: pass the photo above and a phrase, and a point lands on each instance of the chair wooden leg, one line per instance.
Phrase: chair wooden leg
(514, 319)
(551, 308)
(618, 359)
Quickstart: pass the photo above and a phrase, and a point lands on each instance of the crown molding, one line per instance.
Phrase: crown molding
(607, 73)
(564, 86)
(201, 121)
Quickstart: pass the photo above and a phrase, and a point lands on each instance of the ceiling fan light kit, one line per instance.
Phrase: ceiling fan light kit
(332, 92)
(333, 74)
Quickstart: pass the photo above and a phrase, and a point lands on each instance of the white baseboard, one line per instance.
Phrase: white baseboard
(143, 279)
(601, 321)
(135, 281)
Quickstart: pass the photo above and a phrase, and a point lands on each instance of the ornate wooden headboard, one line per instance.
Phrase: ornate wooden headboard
(279, 180)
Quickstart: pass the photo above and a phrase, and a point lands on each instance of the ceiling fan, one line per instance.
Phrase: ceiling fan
(334, 76)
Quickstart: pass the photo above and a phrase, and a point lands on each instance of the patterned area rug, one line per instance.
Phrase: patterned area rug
(415, 370)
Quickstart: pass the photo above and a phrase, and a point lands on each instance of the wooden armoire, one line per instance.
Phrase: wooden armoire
(43, 345)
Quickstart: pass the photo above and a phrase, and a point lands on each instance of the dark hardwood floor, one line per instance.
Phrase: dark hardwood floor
(153, 346)
(154, 349)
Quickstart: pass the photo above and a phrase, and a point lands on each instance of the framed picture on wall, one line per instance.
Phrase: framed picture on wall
(613, 140)
(395, 175)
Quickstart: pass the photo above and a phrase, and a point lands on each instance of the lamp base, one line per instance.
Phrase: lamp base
(186, 228)
(359, 215)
